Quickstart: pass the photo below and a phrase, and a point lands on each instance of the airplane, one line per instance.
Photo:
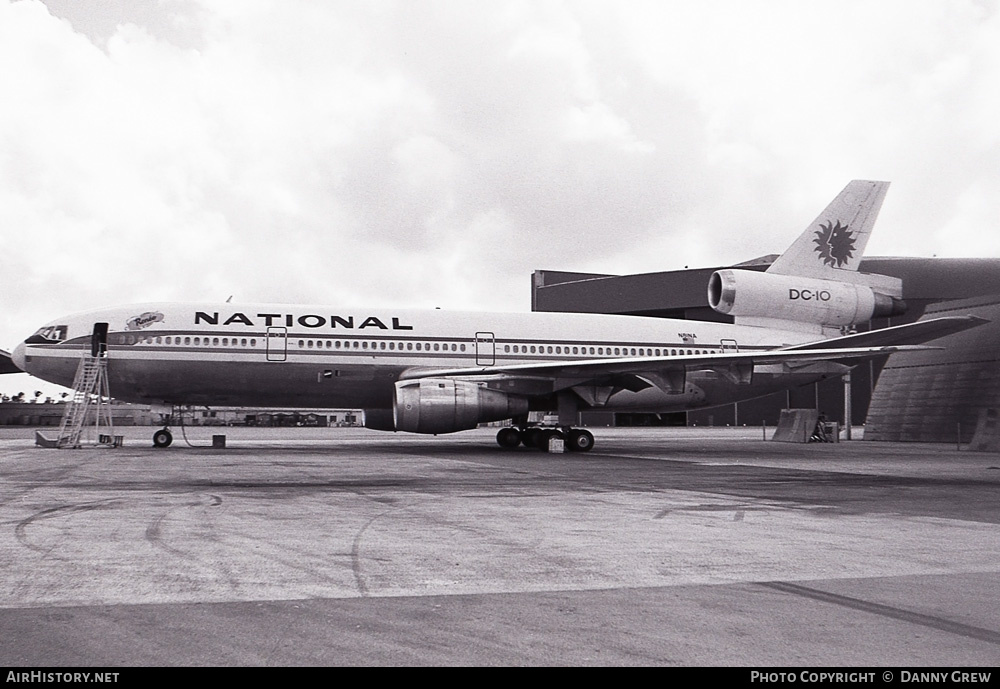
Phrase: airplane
(437, 372)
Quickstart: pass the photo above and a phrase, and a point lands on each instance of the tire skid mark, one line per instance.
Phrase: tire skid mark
(739, 509)
(35, 479)
(154, 531)
(487, 535)
(941, 624)
(359, 577)
(288, 561)
(154, 535)
(21, 530)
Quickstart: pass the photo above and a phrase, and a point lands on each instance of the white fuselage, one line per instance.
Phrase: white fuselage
(322, 356)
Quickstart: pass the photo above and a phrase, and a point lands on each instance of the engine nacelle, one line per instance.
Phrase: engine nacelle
(441, 405)
(791, 298)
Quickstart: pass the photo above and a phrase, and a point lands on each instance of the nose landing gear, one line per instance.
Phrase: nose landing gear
(162, 438)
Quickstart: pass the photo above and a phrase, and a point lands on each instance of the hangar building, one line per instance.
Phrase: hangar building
(928, 396)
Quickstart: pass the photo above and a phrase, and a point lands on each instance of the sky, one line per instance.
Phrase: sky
(419, 153)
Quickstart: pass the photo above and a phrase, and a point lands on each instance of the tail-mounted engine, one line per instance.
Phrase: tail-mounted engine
(790, 298)
(442, 405)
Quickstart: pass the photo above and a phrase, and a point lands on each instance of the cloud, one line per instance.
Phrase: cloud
(435, 153)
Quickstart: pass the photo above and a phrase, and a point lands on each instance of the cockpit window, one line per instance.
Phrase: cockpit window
(50, 334)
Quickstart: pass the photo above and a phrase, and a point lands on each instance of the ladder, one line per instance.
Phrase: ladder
(90, 391)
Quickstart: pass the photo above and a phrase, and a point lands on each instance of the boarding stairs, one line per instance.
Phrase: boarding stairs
(91, 400)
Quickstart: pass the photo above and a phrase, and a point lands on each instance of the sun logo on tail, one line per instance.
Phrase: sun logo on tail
(834, 244)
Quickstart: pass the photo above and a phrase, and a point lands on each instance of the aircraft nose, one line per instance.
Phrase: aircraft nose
(17, 356)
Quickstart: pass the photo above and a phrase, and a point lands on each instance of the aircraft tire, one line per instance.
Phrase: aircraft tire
(162, 438)
(529, 437)
(508, 438)
(579, 440)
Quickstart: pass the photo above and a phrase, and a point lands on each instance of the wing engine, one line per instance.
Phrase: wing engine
(443, 405)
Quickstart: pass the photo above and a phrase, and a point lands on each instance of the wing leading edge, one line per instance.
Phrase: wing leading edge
(909, 333)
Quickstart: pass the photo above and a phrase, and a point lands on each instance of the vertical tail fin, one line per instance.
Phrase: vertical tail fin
(835, 241)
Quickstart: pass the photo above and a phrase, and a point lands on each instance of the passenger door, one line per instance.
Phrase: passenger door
(485, 349)
(277, 343)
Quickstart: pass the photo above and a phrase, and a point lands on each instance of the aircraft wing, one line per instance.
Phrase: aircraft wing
(909, 333)
(636, 373)
(7, 364)
(594, 367)
(669, 372)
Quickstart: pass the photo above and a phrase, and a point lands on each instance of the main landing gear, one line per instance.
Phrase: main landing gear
(576, 439)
